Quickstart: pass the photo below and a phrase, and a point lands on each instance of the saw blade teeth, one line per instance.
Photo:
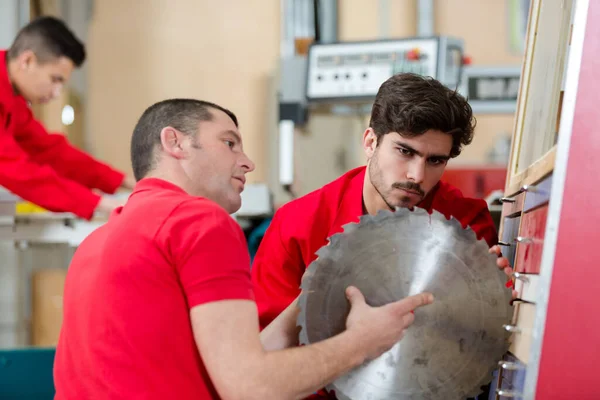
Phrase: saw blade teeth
(350, 227)
(362, 218)
(435, 215)
(321, 251)
(468, 231)
(419, 211)
(306, 278)
(334, 240)
(381, 215)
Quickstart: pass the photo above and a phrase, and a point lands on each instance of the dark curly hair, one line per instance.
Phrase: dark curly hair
(411, 104)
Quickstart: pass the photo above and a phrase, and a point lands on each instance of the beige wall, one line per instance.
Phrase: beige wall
(484, 26)
(143, 52)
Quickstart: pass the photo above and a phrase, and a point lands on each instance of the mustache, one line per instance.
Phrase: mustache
(411, 186)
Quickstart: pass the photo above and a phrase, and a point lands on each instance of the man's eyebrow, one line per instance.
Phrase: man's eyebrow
(407, 147)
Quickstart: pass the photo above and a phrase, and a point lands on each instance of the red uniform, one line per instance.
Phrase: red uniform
(44, 168)
(126, 332)
(301, 227)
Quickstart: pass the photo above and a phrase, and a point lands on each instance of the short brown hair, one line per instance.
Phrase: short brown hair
(411, 105)
(182, 114)
(48, 38)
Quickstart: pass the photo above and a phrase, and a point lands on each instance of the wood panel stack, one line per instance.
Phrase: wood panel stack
(549, 220)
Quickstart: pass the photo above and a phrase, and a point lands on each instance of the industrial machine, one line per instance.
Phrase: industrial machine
(342, 73)
(491, 89)
(354, 71)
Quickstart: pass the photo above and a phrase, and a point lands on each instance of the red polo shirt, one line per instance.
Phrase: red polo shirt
(126, 331)
(44, 168)
(301, 227)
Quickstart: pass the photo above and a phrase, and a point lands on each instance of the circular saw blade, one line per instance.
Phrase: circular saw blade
(454, 344)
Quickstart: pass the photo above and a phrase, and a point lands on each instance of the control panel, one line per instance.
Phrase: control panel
(355, 70)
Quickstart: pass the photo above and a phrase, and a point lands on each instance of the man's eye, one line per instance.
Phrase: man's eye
(405, 152)
(436, 161)
(230, 143)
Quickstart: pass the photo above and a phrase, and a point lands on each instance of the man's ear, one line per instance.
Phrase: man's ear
(26, 59)
(172, 142)
(369, 142)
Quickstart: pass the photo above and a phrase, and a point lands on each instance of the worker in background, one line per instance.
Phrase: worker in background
(417, 125)
(158, 302)
(37, 166)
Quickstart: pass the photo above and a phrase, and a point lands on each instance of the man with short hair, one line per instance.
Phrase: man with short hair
(158, 302)
(39, 167)
(417, 125)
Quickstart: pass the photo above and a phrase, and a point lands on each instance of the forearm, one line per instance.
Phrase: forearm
(68, 161)
(298, 372)
(283, 331)
(43, 187)
(242, 370)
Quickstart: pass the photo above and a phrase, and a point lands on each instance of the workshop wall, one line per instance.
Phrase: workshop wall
(143, 53)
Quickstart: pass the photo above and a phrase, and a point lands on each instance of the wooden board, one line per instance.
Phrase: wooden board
(521, 342)
(540, 92)
(47, 286)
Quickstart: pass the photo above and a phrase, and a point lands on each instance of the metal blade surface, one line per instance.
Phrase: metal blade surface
(454, 344)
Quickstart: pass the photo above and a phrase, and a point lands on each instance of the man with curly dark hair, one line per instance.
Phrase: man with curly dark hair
(417, 125)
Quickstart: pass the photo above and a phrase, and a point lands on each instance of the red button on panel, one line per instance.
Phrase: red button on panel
(413, 54)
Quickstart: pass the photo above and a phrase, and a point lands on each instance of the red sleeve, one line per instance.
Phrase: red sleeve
(209, 251)
(41, 184)
(68, 161)
(276, 273)
(474, 213)
(483, 224)
(470, 212)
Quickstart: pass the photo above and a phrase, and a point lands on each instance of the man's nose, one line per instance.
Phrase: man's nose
(247, 164)
(416, 171)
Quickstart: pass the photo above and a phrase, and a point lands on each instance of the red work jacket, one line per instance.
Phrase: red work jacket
(44, 168)
(301, 227)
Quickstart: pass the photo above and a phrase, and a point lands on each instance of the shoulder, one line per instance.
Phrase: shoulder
(199, 212)
(449, 192)
(324, 199)
(469, 211)
(452, 197)
(451, 202)
(198, 224)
